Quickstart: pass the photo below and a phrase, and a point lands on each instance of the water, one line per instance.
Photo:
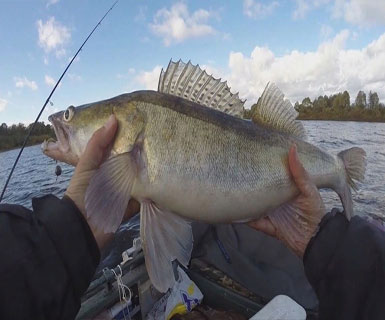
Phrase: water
(35, 174)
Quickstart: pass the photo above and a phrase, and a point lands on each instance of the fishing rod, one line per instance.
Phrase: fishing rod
(49, 98)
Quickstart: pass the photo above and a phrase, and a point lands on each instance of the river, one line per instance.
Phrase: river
(35, 174)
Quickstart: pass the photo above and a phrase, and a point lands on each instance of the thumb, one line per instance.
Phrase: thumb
(300, 176)
(98, 145)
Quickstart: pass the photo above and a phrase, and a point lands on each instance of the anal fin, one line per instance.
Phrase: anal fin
(296, 224)
(165, 237)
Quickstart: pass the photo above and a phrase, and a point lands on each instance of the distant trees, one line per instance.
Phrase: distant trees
(360, 101)
(338, 107)
(13, 136)
(374, 101)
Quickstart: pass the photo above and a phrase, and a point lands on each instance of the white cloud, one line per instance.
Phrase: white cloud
(149, 79)
(74, 77)
(53, 36)
(51, 2)
(304, 6)
(358, 12)
(49, 81)
(3, 104)
(328, 70)
(361, 12)
(24, 82)
(326, 31)
(129, 74)
(141, 14)
(177, 24)
(254, 9)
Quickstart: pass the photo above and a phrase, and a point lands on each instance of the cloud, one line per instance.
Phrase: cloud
(49, 81)
(254, 9)
(301, 9)
(358, 12)
(328, 70)
(51, 2)
(53, 36)
(3, 104)
(326, 31)
(149, 79)
(74, 77)
(177, 24)
(304, 6)
(361, 12)
(129, 74)
(24, 82)
(141, 14)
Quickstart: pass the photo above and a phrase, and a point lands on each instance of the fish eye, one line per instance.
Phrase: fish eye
(69, 113)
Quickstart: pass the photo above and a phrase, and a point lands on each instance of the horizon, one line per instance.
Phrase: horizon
(313, 48)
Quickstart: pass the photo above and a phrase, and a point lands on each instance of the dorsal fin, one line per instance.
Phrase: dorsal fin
(192, 83)
(275, 112)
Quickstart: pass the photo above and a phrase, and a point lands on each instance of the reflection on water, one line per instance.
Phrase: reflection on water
(35, 174)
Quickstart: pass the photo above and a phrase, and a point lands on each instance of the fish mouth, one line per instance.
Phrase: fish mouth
(59, 149)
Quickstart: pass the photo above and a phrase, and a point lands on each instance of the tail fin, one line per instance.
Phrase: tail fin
(355, 166)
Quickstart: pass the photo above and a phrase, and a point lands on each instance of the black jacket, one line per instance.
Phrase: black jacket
(345, 264)
(47, 259)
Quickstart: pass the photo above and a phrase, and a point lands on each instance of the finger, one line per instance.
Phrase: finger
(264, 225)
(300, 175)
(97, 146)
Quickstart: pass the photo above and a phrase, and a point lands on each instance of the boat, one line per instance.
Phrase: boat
(121, 288)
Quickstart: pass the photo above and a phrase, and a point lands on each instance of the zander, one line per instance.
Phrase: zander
(185, 154)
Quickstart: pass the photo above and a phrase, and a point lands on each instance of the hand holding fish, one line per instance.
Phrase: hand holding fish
(94, 154)
(309, 210)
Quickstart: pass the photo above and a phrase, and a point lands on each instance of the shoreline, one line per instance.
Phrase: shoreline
(19, 147)
(341, 120)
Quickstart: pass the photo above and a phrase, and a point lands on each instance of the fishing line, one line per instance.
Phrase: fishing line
(49, 98)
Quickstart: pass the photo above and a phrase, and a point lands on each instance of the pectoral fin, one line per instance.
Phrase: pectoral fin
(109, 191)
(165, 237)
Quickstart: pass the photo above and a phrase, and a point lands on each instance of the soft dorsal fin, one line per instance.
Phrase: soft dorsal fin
(275, 112)
(192, 83)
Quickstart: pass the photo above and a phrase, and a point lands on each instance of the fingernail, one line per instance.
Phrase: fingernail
(110, 122)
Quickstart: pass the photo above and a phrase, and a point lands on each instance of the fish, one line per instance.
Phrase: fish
(185, 153)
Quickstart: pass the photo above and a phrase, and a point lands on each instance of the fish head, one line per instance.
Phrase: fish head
(73, 128)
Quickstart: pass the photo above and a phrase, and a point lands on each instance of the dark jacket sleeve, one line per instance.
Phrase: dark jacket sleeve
(345, 264)
(48, 257)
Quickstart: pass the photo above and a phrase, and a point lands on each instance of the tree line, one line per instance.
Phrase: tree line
(13, 136)
(338, 107)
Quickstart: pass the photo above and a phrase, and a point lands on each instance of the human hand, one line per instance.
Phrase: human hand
(97, 150)
(304, 212)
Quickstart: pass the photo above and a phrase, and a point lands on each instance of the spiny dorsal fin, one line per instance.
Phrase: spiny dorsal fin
(192, 83)
(275, 112)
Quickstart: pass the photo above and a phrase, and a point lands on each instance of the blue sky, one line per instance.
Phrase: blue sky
(307, 47)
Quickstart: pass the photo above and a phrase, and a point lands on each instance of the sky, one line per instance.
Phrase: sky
(308, 48)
